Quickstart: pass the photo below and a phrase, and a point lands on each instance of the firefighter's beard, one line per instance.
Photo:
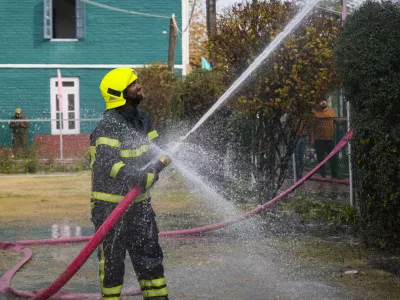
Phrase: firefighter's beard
(129, 110)
(134, 101)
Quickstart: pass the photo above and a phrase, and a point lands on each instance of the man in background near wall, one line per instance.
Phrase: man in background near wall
(19, 125)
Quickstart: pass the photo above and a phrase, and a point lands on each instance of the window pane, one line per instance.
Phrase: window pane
(71, 124)
(64, 20)
(57, 104)
(62, 120)
(58, 121)
(67, 83)
(71, 102)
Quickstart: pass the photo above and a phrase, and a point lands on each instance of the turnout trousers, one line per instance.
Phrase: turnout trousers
(136, 233)
(322, 149)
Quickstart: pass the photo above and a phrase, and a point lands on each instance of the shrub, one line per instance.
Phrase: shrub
(368, 62)
(194, 95)
(157, 84)
(24, 162)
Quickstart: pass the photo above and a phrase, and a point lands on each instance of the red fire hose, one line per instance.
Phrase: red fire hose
(77, 263)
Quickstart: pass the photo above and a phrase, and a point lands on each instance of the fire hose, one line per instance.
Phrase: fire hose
(96, 239)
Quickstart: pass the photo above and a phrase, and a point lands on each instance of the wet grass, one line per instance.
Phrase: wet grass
(28, 200)
(334, 254)
(380, 284)
(335, 257)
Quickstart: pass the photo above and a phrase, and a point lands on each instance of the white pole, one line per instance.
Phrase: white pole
(61, 107)
(341, 112)
(61, 135)
(349, 153)
(185, 37)
(344, 16)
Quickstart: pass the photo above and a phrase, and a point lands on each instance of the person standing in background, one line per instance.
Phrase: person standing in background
(322, 136)
(19, 125)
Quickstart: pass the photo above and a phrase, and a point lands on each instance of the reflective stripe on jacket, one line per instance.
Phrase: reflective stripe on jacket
(119, 150)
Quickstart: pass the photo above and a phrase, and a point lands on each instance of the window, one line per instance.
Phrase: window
(64, 19)
(65, 113)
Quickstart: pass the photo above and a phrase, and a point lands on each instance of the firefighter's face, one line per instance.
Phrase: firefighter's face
(17, 115)
(134, 91)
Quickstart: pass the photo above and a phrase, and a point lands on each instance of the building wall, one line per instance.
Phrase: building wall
(112, 38)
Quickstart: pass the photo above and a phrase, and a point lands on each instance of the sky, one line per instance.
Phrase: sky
(222, 3)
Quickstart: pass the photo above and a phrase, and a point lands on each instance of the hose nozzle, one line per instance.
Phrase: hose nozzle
(162, 163)
(165, 159)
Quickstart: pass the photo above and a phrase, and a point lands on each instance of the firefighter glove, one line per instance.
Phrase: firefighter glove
(148, 180)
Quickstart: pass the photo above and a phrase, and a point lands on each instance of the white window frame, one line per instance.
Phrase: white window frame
(53, 97)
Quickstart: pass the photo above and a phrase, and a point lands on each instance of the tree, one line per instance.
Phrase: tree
(157, 84)
(194, 95)
(286, 87)
(368, 62)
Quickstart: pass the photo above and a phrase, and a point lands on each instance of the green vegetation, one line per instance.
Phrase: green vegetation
(321, 212)
(194, 95)
(29, 162)
(157, 84)
(368, 62)
(26, 162)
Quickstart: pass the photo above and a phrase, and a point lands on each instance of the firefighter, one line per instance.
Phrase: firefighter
(120, 150)
(19, 125)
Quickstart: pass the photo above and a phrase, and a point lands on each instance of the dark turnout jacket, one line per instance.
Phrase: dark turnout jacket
(18, 126)
(120, 149)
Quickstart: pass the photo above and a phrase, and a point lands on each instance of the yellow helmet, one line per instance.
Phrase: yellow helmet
(18, 111)
(113, 85)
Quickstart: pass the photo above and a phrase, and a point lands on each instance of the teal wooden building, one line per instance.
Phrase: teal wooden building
(84, 39)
